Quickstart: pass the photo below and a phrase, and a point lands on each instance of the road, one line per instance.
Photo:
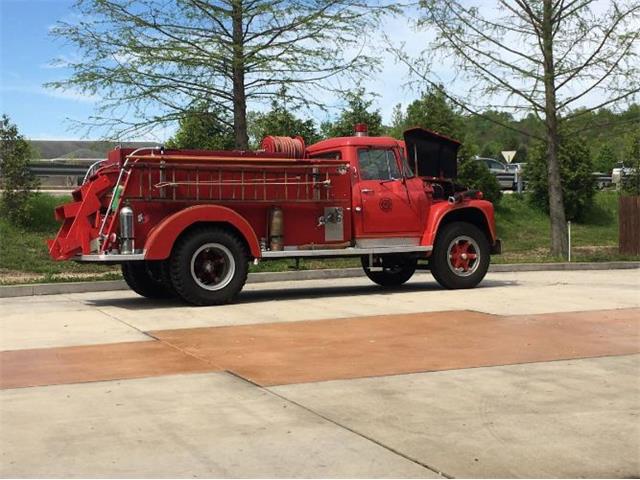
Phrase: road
(534, 374)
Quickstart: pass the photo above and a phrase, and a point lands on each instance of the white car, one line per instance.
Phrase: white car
(618, 172)
(500, 170)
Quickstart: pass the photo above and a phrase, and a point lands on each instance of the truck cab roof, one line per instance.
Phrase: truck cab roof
(354, 141)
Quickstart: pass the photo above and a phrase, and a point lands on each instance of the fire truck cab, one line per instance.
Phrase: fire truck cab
(188, 223)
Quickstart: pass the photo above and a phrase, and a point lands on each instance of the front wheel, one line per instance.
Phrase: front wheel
(209, 266)
(396, 270)
(460, 257)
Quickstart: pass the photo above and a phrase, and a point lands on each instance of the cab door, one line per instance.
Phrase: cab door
(382, 201)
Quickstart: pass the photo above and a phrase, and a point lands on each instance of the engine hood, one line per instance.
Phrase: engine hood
(431, 154)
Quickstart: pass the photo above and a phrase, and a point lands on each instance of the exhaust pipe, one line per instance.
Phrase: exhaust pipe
(459, 196)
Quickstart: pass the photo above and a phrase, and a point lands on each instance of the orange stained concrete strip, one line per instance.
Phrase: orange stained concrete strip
(285, 353)
(297, 352)
(115, 361)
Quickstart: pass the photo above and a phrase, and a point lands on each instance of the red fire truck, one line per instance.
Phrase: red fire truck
(187, 223)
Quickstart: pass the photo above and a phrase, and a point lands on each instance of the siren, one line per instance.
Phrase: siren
(361, 130)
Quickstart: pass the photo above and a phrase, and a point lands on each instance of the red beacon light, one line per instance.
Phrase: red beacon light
(361, 130)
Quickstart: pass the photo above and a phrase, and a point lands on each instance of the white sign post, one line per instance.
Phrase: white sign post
(508, 155)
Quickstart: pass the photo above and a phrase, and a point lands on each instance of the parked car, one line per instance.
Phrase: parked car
(516, 167)
(618, 172)
(500, 170)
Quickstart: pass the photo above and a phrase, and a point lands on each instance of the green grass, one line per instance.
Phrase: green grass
(23, 251)
(523, 230)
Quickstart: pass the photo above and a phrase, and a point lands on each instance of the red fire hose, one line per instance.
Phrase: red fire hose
(291, 147)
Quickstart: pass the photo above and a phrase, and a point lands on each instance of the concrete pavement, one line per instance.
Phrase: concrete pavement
(500, 293)
(569, 419)
(573, 412)
(212, 425)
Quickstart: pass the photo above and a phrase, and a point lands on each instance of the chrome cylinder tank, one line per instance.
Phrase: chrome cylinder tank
(126, 230)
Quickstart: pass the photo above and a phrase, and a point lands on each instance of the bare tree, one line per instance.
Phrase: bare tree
(151, 61)
(546, 56)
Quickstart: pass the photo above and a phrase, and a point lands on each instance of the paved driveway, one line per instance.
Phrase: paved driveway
(535, 374)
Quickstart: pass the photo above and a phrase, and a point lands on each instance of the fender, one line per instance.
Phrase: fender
(474, 208)
(161, 239)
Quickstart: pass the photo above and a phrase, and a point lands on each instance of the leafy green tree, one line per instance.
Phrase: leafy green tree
(576, 167)
(476, 176)
(606, 159)
(606, 126)
(490, 150)
(202, 129)
(280, 121)
(434, 111)
(358, 110)
(631, 182)
(18, 182)
(398, 123)
(150, 61)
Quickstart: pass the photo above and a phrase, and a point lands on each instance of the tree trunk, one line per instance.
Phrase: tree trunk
(239, 96)
(559, 239)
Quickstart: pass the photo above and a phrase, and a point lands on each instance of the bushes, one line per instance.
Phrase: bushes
(578, 183)
(631, 181)
(476, 176)
(18, 182)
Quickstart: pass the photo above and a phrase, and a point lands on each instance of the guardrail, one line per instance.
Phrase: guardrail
(601, 181)
(58, 169)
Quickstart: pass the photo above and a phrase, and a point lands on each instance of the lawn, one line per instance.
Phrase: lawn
(524, 231)
(23, 251)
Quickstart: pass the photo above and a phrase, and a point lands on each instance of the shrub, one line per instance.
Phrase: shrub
(606, 159)
(476, 176)
(40, 211)
(631, 182)
(576, 171)
(18, 182)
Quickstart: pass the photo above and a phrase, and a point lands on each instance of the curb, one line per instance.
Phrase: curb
(564, 266)
(264, 277)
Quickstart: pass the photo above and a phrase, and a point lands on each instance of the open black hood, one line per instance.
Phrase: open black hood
(431, 154)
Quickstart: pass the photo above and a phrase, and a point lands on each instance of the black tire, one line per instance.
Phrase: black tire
(396, 270)
(448, 265)
(208, 266)
(146, 279)
(165, 275)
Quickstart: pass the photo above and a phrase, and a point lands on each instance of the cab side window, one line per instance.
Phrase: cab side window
(378, 164)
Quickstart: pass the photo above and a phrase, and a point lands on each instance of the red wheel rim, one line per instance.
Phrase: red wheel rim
(463, 256)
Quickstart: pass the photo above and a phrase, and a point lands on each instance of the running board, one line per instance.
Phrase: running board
(109, 257)
(340, 252)
(345, 252)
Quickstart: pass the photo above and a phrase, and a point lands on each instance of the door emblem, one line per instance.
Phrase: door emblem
(385, 204)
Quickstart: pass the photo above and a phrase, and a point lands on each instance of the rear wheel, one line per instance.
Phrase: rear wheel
(208, 266)
(146, 279)
(396, 270)
(460, 257)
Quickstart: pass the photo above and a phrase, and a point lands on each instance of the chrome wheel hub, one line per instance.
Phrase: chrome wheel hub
(212, 266)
